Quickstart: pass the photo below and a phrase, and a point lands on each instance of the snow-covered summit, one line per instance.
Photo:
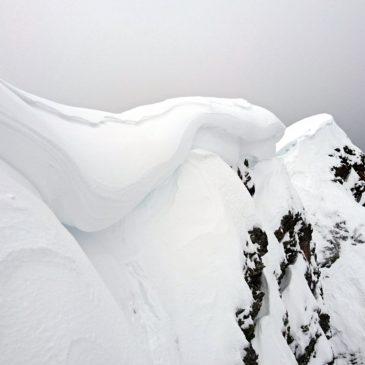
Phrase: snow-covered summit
(307, 128)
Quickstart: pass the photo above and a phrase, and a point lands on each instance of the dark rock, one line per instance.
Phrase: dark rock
(253, 276)
(251, 356)
(259, 237)
(244, 173)
(324, 322)
(346, 161)
(308, 351)
(296, 236)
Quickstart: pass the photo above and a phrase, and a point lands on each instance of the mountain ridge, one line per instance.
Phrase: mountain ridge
(230, 253)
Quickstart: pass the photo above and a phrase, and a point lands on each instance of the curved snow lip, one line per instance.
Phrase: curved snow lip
(93, 167)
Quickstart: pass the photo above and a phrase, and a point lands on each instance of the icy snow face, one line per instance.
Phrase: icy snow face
(92, 168)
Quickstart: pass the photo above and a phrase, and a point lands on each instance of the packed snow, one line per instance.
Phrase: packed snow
(192, 231)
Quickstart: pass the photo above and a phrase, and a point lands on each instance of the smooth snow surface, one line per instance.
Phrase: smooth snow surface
(174, 233)
(192, 227)
(92, 167)
(54, 309)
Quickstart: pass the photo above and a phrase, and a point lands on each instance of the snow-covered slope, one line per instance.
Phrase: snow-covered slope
(327, 171)
(181, 249)
(54, 309)
(173, 233)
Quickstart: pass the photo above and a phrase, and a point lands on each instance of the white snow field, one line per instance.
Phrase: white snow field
(174, 233)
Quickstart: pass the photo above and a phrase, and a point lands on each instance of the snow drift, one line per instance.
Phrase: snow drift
(174, 233)
(92, 167)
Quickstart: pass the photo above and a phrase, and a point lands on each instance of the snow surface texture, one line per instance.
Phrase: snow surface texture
(174, 233)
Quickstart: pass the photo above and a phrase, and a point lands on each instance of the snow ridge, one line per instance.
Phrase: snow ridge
(103, 173)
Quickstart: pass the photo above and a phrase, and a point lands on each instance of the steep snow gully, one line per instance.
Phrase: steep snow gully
(175, 233)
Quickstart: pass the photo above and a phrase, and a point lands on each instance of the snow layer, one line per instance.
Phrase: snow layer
(93, 167)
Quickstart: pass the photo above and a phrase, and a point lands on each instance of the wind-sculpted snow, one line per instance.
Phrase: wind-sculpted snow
(93, 167)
